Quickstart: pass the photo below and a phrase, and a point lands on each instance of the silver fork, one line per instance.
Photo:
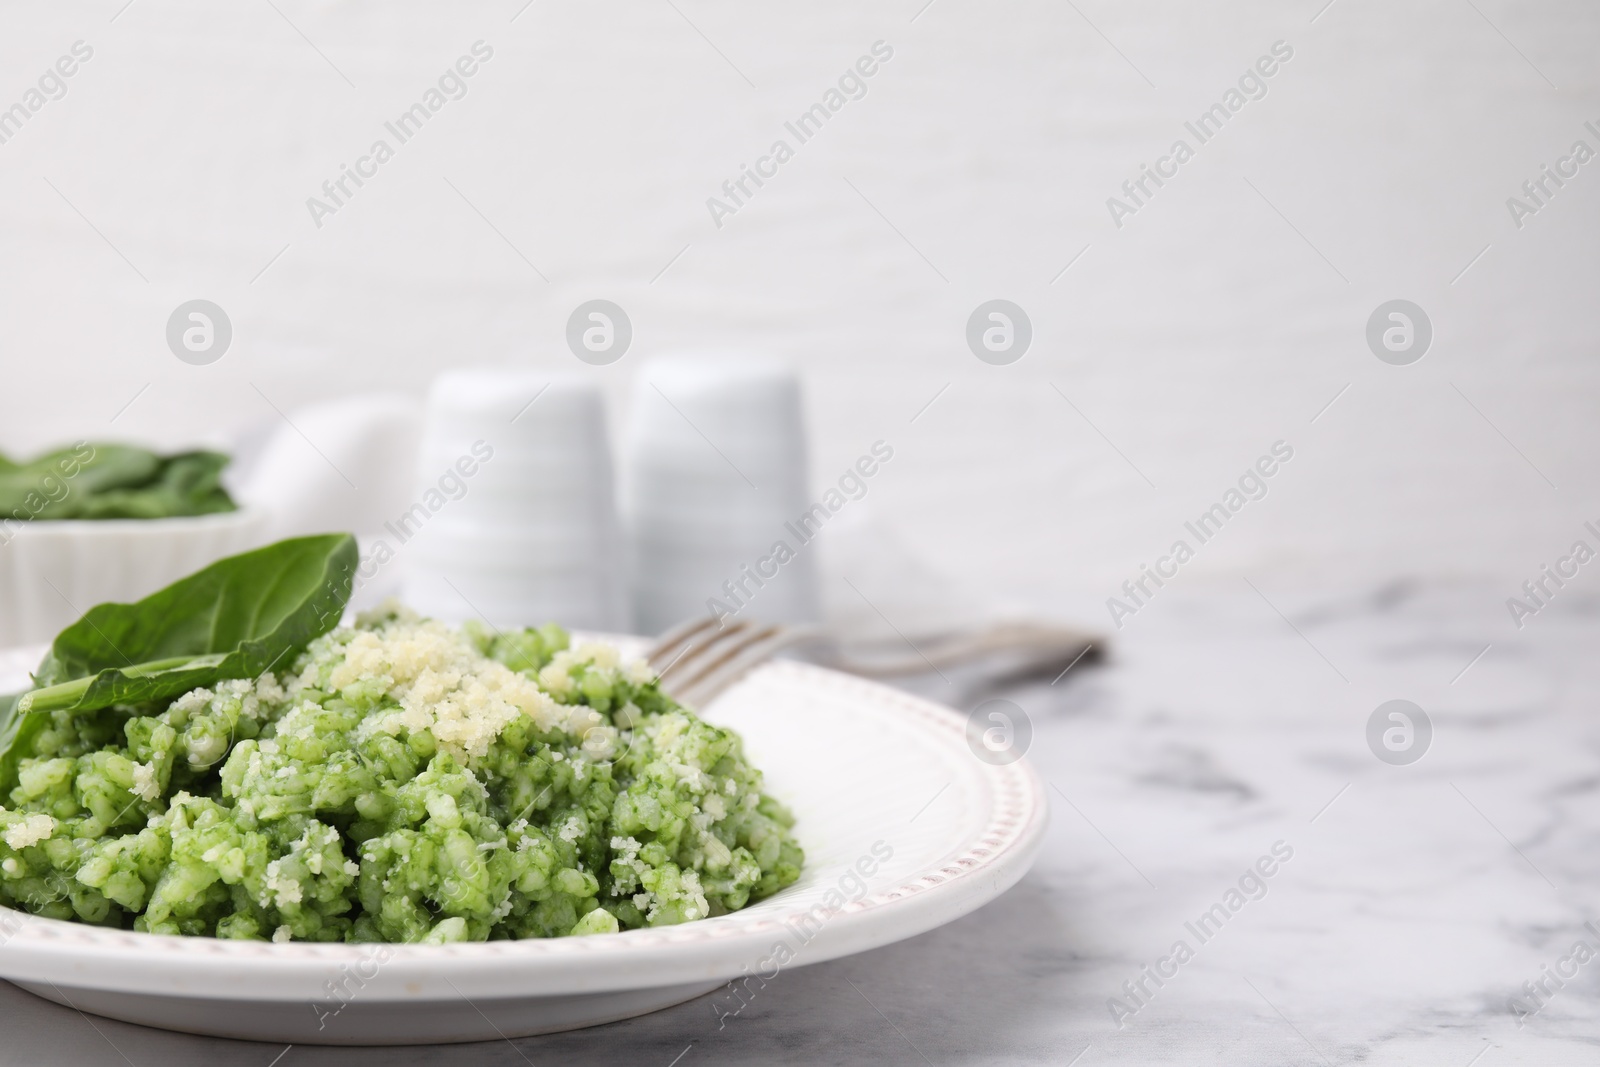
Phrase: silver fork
(698, 659)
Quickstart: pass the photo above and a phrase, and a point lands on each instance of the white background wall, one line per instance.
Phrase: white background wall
(1195, 336)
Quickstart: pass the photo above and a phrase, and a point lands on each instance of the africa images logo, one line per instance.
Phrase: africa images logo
(1252, 85)
(451, 85)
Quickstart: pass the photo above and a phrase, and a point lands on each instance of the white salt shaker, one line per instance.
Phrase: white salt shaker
(716, 482)
(515, 519)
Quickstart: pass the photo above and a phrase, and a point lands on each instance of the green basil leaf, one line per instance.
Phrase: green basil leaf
(17, 732)
(234, 619)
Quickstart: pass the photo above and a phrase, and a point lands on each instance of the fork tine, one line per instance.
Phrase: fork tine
(670, 645)
(708, 688)
(729, 664)
(719, 650)
(693, 654)
(705, 656)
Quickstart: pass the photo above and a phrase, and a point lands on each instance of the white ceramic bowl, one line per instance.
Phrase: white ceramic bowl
(904, 828)
(52, 572)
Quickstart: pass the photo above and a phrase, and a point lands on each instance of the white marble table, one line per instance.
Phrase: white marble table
(1417, 901)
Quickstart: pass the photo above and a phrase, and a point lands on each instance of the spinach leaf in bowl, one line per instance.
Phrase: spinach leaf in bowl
(110, 481)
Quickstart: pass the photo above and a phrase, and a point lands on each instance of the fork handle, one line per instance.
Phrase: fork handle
(1048, 642)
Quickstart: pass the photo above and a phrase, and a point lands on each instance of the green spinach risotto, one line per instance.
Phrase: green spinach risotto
(399, 780)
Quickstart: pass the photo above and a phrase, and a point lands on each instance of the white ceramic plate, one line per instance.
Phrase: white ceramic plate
(868, 771)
